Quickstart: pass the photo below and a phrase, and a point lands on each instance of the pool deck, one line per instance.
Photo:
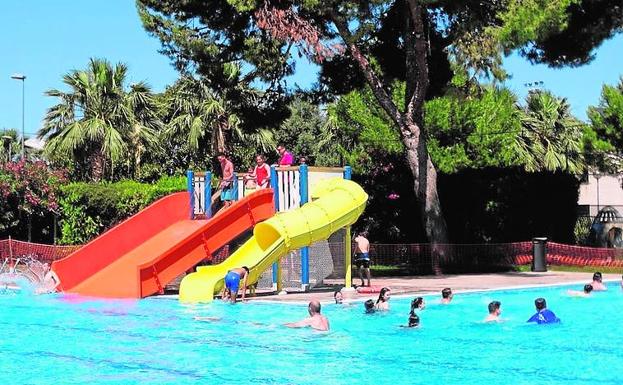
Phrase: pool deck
(423, 285)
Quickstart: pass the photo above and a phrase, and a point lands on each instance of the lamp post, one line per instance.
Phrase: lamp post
(23, 79)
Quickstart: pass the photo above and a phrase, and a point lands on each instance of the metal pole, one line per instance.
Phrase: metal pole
(348, 276)
(274, 184)
(23, 114)
(303, 182)
(23, 79)
(190, 186)
(208, 194)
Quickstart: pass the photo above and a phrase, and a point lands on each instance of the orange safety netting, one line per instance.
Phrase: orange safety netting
(12, 249)
(571, 255)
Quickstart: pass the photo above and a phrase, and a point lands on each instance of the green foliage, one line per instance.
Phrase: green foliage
(28, 194)
(551, 138)
(88, 209)
(308, 133)
(9, 144)
(582, 230)
(363, 131)
(589, 23)
(473, 132)
(603, 139)
(99, 122)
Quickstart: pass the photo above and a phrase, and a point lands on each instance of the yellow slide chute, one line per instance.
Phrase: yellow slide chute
(336, 203)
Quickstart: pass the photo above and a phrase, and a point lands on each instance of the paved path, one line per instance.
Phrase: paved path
(431, 284)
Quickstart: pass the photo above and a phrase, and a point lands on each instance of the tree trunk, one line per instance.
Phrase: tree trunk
(98, 163)
(425, 189)
(410, 122)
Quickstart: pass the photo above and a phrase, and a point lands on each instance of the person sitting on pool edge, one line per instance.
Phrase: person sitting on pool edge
(382, 303)
(494, 312)
(584, 293)
(543, 315)
(446, 296)
(369, 306)
(232, 282)
(315, 320)
(597, 282)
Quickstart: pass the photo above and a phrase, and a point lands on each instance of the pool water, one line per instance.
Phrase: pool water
(72, 340)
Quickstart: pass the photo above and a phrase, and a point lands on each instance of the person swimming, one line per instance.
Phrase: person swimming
(369, 306)
(446, 296)
(382, 303)
(338, 297)
(414, 320)
(588, 288)
(494, 311)
(597, 282)
(315, 320)
(417, 304)
(543, 315)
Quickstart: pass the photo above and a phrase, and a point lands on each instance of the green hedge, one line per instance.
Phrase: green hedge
(88, 209)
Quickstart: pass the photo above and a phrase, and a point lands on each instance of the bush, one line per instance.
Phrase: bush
(88, 209)
(28, 199)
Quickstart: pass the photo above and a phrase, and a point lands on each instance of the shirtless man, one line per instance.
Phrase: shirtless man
(362, 256)
(494, 312)
(315, 320)
(232, 283)
(227, 183)
(597, 282)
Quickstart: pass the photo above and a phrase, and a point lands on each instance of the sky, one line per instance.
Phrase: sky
(45, 39)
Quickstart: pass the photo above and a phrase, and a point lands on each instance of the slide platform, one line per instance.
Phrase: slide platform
(141, 255)
(337, 203)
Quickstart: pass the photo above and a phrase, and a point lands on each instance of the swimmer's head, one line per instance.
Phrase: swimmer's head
(414, 320)
(337, 296)
(540, 303)
(597, 277)
(417, 303)
(588, 288)
(446, 293)
(384, 294)
(494, 307)
(369, 305)
(313, 307)
(246, 269)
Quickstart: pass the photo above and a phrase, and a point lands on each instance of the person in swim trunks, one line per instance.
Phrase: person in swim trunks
(227, 183)
(362, 256)
(232, 282)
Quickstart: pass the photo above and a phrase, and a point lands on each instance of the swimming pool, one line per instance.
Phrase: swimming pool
(69, 340)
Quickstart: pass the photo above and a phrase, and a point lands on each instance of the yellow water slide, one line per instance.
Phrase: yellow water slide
(336, 203)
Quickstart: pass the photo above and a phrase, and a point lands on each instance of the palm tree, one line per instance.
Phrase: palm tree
(550, 138)
(98, 121)
(208, 121)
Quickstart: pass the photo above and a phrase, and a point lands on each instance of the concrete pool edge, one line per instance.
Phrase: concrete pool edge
(326, 297)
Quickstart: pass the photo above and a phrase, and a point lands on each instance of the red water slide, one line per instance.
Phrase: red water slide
(138, 257)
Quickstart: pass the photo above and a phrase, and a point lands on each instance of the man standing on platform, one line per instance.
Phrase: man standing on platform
(285, 157)
(227, 182)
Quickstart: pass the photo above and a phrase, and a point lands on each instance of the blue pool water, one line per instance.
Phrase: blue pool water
(68, 340)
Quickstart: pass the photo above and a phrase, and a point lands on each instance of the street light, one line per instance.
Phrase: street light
(22, 78)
